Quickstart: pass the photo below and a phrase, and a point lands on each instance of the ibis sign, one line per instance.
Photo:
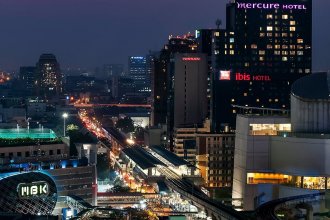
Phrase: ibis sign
(33, 189)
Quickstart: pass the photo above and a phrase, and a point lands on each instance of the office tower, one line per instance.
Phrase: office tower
(162, 77)
(49, 77)
(190, 85)
(137, 70)
(270, 48)
(27, 75)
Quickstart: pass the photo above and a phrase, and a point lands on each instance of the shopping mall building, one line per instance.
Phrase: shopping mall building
(38, 176)
(279, 156)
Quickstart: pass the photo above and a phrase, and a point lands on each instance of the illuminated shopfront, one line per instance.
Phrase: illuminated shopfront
(296, 181)
(268, 129)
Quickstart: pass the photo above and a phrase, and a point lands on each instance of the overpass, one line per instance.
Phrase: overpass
(214, 209)
(112, 105)
(267, 211)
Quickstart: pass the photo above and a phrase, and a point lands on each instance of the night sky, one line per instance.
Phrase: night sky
(90, 33)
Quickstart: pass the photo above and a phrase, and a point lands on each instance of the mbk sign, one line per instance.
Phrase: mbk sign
(270, 6)
(32, 189)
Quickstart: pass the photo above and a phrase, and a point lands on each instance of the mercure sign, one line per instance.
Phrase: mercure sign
(270, 6)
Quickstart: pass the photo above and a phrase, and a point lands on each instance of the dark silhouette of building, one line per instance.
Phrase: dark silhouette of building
(27, 75)
(48, 77)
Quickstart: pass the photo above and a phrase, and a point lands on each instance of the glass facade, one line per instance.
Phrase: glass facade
(28, 193)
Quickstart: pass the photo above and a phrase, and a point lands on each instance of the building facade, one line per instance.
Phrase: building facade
(269, 49)
(49, 76)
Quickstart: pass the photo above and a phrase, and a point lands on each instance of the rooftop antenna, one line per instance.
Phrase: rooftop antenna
(218, 23)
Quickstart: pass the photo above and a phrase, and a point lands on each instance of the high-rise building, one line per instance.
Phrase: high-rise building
(162, 77)
(269, 46)
(49, 77)
(110, 70)
(27, 75)
(190, 85)
(137, 70)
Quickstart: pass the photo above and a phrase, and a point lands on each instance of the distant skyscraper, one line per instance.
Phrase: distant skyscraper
(137, 70)
(49, 77)
(267, 46)
(27, 75)
(110, 70)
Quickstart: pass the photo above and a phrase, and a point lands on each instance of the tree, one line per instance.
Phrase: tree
(125, 124)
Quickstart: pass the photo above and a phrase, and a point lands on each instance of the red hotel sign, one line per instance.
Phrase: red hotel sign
(191, 58)
(227, 75)
(248, 77)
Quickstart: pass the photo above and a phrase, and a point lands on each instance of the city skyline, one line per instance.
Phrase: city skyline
(83, 36)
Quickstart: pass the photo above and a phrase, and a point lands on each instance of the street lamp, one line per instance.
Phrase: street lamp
(65, 115)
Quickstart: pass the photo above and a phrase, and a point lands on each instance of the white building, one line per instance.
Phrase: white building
(279, 156)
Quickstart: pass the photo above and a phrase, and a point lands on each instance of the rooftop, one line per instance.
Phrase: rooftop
(314, 86)
(169, 156)
(141, 157)
(27, 133)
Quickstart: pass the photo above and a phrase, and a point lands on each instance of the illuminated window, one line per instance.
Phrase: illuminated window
(245, 94)
(276, 100)
(257, 100)
(300, 53)
(269, 16)
(217, 34)
(277, 52)
(300, 41)
(231, 40)
(261, 52)
(234, 111)
(268, 129)
(254, 46)
(262, 34)
(292, 53)
(285, 17)
(292, 23)
(269, 34)
(274, 178)
(284, 34)
(292, 28)
(292, 46)
(232, 52)
(261, 58)
(300, 47)
(284, 58)
(269, 28)
(277, 46)
(284, 46)
(307, 70)
(269, 46)
(232, 100)
(285, 52)
(216, 52)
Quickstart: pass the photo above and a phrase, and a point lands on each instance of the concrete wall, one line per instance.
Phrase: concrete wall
(310, 116)
(300, 156)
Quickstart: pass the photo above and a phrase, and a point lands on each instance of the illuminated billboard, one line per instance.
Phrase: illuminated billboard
(33, 193)
(32, 189)
(227, 75)
(257, 5)
(191, 58)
